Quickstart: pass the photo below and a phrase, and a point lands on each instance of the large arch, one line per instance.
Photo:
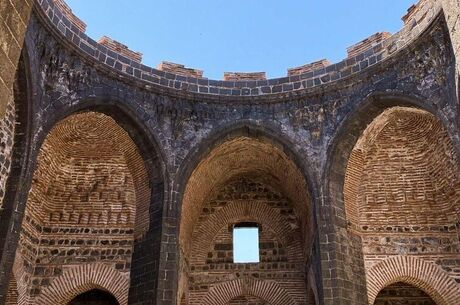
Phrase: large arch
(393, 137)
(90, 179)
(411, 270)
(148, 142)
(239, 161)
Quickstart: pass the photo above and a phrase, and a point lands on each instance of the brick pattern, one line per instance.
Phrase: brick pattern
(12, 295)
(179, 69)
(281, 256)
(181, 85)
(401, 293)
(310, 67)
(14, 17)
(367, 44)
(88, 202)
(120, 48)
(414, 271)
(401, 196)
(67, 11)
(244, 76)
(237, 183)
(79, 279)
(236, 156)
(268, 290)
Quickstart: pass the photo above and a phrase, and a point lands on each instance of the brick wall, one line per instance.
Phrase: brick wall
(244, 189)
(82, 207)
(401, 190)
(401, 293)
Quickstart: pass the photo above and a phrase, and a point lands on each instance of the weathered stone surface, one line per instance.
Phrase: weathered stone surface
(129, 179)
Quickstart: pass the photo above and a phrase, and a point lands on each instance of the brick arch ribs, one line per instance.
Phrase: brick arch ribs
(80, 279)
(411, 270)
(269, 291)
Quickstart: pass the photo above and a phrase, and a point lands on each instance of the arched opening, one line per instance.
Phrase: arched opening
(251, 183)
(402, 190)
(403, 294)
(94, 297)
(89, 200)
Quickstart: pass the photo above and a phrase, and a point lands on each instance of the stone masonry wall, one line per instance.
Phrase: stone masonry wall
(292, 136)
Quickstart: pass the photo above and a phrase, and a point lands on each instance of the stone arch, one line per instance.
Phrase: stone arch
(269, 291)
(79, 279)
(411, 270)
(262, 134)
(240, 164)
(334, 218)
(90, 180)
(350, 130)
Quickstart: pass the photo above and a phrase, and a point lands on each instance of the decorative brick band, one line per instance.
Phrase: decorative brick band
(120, 48)
(268, 291)
(83, 278)
(368, 43)
(320, 64)
(411, 270)
(244, 76)
(179, 69)
(180, 84)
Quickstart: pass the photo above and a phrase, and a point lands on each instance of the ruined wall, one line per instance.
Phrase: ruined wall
(284, 143)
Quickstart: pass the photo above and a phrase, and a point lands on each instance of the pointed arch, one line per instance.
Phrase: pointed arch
(77, 280)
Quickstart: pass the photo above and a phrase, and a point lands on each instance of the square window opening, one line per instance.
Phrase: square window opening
(246, 243)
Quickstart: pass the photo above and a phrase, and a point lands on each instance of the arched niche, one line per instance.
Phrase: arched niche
(401, 189)
(250, 180)
(88, 203)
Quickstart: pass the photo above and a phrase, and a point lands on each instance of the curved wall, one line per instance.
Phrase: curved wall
(314, 118)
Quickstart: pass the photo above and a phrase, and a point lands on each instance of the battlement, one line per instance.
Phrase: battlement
(120, 48)
(323, 63)
(367, 43)
(67, 12)
(179, 69)
(368, 52)
(244, 76)
(415, 12)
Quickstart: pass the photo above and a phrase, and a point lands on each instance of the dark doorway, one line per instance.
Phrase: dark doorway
(94, 297)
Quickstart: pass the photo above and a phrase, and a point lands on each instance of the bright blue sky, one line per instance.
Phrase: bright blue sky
(246, 245)
(239, 35)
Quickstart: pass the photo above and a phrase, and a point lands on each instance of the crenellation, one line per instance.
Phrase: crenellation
(179, 69)
(367, 44)
(120, 48)
(244, 76)
(310, 67)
